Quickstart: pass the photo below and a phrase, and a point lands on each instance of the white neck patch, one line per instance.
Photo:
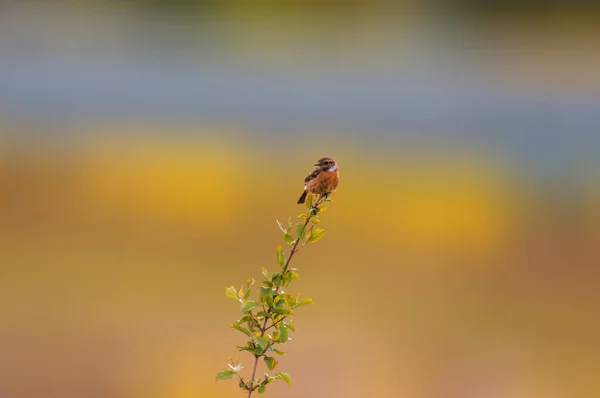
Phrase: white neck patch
(334, 168)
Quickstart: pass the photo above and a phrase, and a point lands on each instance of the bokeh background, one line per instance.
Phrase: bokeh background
(147, 148)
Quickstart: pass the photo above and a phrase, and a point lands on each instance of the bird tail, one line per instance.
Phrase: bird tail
(303, 197)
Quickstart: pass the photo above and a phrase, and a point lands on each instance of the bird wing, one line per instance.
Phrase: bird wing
(312, 175)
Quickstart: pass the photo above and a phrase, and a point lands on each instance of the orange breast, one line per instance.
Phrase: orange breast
(325, 182)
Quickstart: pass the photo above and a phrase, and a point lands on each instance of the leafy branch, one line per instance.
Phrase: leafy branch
(267, 321)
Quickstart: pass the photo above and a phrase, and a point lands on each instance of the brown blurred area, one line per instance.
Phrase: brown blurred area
(453, 265)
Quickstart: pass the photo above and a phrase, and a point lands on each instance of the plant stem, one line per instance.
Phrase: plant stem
(256, 358)
(295, 248)
(285, 268)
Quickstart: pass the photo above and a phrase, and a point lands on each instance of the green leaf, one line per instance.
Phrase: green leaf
(261, 389)
(303, 302)
(300, 230)
(290, 300)
(271, 362)
(282, 311)
(287, 278)
(262, 342)
(315, 220)
(248, 288)
(302, 215)
(240, 348)
(248, 305)
(288, 238)
(309, 201)
(242, 329)
(279, 300)
(224, 374)
(232, 293)
(266, 274)
(276, 351)
(276, 278)
(281, 227)
(283, 333)
(266, 292)
(264, 314)
(267, 283)
(285, 377)
(280, 256)
(316, 235)
(290, 325)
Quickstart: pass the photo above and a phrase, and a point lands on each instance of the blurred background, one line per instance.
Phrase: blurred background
(147, 148)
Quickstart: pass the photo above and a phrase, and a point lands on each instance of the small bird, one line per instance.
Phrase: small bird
(323, 180)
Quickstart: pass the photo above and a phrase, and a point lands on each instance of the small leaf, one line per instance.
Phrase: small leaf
(271, 362)
(288, 238)
(276, 351)
(264, 314)
(290, 325)
(290, 300)
(248, 305)
(267, 283)
(283, 333)
(240, 348)
(262, 342)
(303, 302)
(280, 256)
(279, 300)
(302, 216)
(224, 374)
(309, 201)
(266, 274)
(261, 389)
(248, 288)
(231, 293)
(300, 230)
(282, 311)
(281, 227)
(285, 377)
(287, 278)
(276, 279)
(242, 329)
(266, 292)
(316, 235)
(315, 220)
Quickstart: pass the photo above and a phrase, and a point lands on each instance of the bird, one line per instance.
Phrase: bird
(323, 180)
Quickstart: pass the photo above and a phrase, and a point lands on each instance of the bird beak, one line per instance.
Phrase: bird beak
(317, 164)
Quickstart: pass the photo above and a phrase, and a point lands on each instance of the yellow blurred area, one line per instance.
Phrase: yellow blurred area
(162, 180)
(448, 202)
